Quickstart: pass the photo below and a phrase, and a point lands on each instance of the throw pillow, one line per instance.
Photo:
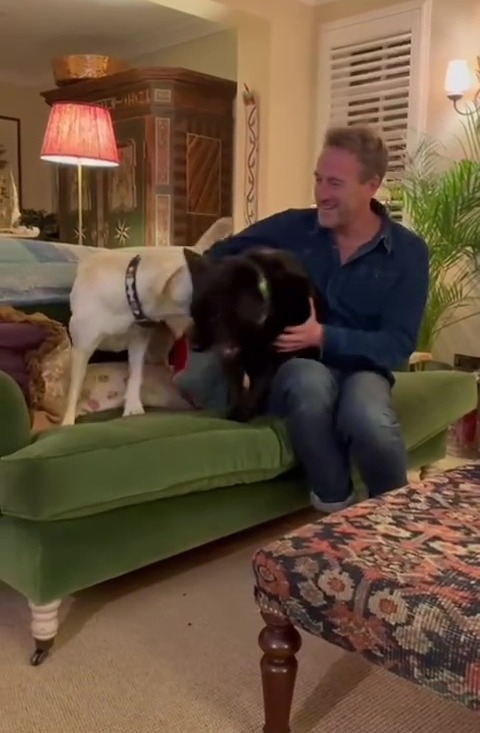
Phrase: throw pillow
(35, 351)
(104, 388)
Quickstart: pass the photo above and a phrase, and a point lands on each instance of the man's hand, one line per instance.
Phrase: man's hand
(305, 336)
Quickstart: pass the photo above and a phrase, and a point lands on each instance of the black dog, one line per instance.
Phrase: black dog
(239, 306)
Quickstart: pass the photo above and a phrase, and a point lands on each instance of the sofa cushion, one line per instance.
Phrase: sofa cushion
(92, 467)
(88, 468)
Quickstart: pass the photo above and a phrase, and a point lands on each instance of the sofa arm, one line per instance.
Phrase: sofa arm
(15, 427)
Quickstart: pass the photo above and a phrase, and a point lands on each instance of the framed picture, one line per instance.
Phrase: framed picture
(10, 141)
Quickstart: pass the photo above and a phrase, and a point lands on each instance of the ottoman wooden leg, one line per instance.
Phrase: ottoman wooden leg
(428, 471)
(280, 642)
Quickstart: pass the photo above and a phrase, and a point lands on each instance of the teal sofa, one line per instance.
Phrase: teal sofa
(82, 504)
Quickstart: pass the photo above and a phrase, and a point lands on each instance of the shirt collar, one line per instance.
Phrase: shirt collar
(385, 233)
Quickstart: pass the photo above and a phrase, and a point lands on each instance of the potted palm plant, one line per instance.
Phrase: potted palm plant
(440, 199)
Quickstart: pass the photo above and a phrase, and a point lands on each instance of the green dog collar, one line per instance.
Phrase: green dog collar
(263, 287)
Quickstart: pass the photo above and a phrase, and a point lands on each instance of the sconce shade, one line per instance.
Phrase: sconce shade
(80, 134)
(458, 78)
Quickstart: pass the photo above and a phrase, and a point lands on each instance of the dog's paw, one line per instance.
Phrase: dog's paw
(133, 410)
(68, 419)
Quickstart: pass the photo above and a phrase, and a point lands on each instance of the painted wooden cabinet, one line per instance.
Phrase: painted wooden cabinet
(174, 131)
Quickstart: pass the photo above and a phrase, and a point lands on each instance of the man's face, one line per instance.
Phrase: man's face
(341, 194)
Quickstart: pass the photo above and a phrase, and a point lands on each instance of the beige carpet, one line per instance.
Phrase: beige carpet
(173, 649)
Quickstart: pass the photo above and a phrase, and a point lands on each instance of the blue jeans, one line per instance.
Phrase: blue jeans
(331, 417)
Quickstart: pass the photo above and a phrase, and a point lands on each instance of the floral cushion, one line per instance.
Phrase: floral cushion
(105, 384)
(395, 578)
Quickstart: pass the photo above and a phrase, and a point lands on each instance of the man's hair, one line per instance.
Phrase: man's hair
(367, 146)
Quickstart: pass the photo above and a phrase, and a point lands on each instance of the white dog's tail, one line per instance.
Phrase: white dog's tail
(220, 229)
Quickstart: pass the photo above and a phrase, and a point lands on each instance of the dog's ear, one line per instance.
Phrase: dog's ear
(197, 264)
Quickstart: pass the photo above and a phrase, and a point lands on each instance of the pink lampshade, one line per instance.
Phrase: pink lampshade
(80, 133)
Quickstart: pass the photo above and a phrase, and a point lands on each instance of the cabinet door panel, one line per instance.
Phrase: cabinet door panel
(125, 188)
(203, 186)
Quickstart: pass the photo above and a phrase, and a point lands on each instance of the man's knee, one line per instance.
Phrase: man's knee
(303, 384)
(365, 410)
(203, 381)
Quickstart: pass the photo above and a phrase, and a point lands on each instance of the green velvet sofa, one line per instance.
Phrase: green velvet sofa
(86, 503)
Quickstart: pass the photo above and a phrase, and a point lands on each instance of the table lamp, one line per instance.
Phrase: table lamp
(81, 135)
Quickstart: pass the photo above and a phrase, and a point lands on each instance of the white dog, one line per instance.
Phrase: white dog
(113, 291)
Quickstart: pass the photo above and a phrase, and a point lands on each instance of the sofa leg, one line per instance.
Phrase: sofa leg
(431, 469)
(44, 628)
(280, 642)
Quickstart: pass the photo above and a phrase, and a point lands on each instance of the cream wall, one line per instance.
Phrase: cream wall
(276, 58)
(273, 52)
(26, 104)
(215, 54)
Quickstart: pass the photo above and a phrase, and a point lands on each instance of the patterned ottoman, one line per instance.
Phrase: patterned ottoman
(396, 579)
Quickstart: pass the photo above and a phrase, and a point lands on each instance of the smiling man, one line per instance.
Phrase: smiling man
(373, 274)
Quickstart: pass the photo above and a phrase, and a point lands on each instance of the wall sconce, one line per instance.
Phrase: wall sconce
(458, 81)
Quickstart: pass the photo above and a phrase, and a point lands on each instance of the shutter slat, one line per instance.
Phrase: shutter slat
(385, 56)
(386, 91)
(389, 113)
(376, 56)
(369, 75)
(389, 41)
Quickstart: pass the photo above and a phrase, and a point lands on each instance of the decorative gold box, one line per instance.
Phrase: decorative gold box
(79, 67)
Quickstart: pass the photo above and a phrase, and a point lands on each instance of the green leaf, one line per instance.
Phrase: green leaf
(441, 203)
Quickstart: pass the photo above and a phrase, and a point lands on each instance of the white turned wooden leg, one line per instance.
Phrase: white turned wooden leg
(44, 629)
(428, 471)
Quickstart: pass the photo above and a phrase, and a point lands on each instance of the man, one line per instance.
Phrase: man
(373, 274)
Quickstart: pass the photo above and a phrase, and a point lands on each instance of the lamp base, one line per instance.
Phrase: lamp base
(80, 203)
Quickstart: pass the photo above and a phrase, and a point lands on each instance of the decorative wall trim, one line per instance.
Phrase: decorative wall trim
(204, 175)
(162, 151)
(250, 186)
(163, 220)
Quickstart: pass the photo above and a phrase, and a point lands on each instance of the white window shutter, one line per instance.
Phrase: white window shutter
(368, 73)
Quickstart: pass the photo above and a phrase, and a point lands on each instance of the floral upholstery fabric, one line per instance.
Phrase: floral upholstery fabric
(396, 579)
(105, 384)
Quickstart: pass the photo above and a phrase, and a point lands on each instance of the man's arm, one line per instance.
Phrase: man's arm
(395, 341)
(267, 232)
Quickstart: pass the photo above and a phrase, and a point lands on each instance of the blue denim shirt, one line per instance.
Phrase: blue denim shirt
(375, 301)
